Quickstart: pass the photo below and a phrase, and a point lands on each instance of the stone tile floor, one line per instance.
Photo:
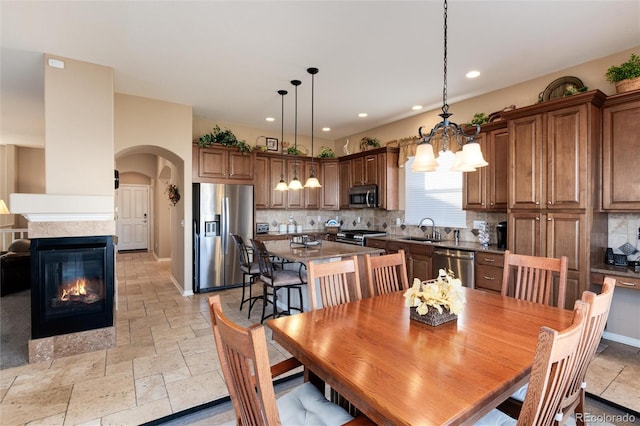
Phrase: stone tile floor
(165, 361)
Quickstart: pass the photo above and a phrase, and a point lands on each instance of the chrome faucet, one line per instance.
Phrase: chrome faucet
(434, 234)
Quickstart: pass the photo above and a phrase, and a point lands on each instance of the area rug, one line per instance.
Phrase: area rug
(15, 329)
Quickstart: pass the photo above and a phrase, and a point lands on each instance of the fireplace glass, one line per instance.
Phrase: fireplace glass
(72, 284)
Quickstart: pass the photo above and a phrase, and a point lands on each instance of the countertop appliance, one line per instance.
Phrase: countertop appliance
(262, 228)
(218, 211)
(501, 235)
(363, 196)
(357, 236)
(461, 262)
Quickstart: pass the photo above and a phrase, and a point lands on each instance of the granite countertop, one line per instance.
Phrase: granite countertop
(450, 244)
(308, 232)
(325, 250)
(615, 270)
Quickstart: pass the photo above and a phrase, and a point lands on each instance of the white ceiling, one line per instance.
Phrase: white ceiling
(228, 58)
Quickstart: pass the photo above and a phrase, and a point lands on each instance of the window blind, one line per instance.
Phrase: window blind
(437, 195)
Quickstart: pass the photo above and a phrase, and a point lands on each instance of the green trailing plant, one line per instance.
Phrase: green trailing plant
(224, 137)
(292, 150)
(627, 70)
(480, 118)
(326, 152)
(367, 142)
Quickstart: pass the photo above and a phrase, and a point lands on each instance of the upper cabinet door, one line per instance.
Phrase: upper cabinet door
(526, 162)
(621, 153)
(567, 158)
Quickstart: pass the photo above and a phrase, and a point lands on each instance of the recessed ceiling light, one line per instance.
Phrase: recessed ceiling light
(326, 129)
(363, 114)
(270, 119)
(473, 74)
(416, 107)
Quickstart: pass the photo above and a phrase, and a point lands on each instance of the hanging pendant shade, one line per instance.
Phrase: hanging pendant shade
(313, 181)
(425, 160)
(282, 185)
(459, 163)
(295, 184)
(473, 156)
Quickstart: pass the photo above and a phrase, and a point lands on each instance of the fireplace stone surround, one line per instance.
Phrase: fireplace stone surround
(61, 216)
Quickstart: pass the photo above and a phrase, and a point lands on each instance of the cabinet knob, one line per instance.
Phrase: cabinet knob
(537, 217)
(549, 219)
(492, 204)
(537, 203)
(549, 202)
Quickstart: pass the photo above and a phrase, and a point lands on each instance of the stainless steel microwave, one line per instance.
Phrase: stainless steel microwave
(363, 196)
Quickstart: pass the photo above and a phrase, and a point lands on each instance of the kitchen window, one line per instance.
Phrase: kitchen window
(437, 195)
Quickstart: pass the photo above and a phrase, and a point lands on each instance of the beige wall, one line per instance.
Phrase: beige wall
(78, 128)
(164, 129)
(31, 179)
(8, 181)
(524, 94)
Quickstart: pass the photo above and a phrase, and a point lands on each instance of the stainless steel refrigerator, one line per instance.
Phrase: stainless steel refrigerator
(218, 211)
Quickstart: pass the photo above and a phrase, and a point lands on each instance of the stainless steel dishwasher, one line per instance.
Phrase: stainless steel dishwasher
(461, 262)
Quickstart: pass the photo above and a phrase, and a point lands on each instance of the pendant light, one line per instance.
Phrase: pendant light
(295, 183)
(312, 182)
(282, 185)
(469, 156)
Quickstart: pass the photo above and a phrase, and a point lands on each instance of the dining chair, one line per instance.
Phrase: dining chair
(386, 273)
(250, 270)
(596, 319)
(244, 359)
(553, 368)
(339, 282)
(532, 278)
(275, 277)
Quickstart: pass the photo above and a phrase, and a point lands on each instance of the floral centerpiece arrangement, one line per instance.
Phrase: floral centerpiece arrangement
(435, 301)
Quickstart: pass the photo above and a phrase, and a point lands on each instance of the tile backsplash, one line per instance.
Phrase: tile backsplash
(624, 228)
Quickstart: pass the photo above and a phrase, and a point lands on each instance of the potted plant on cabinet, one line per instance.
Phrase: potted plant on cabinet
(225, 138)
(369, 143)
(625, 76)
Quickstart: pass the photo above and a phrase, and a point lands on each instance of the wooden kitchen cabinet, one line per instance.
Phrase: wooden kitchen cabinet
(224, 165)
(486, 188)
(330, 180)
(364, 170)
(622, 281)
(553, 148)
(344, 169)
(419, 262)
(267, 176)
(556, 234)
(312, 195)
(388, 180)
(621, 152)
(489, 269)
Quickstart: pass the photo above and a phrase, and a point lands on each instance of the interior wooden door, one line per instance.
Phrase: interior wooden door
(133, 217)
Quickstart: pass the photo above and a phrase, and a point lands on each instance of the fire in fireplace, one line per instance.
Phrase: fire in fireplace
(72, 284)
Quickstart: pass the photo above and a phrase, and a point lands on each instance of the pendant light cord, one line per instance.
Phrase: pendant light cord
(282, 93)
(445, 106)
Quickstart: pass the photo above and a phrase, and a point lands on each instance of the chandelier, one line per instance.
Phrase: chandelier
(466, 159)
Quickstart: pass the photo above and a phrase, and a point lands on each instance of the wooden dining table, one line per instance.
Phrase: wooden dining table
(398, 371)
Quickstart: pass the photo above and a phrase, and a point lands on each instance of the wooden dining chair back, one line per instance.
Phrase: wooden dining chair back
(553, 368)
(386, 273)
(244, 359)
(339, 282)
(596, 320)
(531, 278)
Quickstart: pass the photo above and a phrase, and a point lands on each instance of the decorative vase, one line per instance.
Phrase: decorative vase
(433, 317)
(628, 85)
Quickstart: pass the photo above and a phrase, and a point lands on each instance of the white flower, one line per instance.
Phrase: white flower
(443, 292)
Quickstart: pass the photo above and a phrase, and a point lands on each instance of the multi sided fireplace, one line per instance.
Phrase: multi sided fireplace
(72, 284)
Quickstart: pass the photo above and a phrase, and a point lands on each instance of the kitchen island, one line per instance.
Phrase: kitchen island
(327, 251)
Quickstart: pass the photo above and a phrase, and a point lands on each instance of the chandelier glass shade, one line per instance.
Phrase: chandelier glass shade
(282, 185)
(312, 181)
(469, 157)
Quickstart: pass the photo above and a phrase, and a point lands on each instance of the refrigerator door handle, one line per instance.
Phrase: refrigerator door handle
(225, 225)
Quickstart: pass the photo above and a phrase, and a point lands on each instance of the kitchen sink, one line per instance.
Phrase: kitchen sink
(420, 239)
